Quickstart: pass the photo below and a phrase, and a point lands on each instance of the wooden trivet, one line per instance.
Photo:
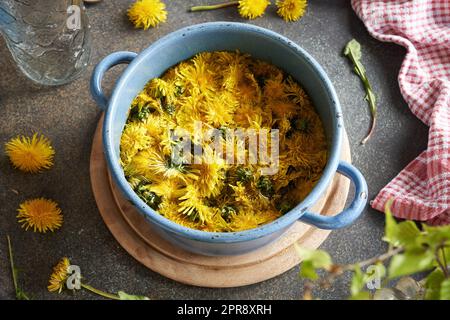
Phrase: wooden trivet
(136, 236)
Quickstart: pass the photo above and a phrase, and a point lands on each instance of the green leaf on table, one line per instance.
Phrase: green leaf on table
(353, 48)
(445, 290)
(125, 296)
(353, 52)
(433, 284)
(410, 262)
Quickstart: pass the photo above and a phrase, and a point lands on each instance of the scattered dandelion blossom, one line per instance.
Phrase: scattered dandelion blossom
(248, 9)
(291, 10)
(30, 154)
(147, 13)
(59, 276)
(40, 214)
(251, 9)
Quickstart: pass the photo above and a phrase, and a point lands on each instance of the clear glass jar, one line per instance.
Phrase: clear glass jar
(48, 39)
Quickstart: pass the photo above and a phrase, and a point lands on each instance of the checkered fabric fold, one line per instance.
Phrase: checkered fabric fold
(422, 190)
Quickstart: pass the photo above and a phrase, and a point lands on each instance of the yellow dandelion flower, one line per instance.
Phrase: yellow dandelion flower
(234, 74)
(226, 58)
(284, 125)
(134, 181)
(155, 126)
(247, 113)
(134, 138)
(253, 219)
(282, 108)
(274, 88)
(251, 9)
(147, 13)
(144, 100)
(169, 209)
(291, 10)
(206, 58)
(175, 143)
(157, 88)
(296, 93)
(133, 176)
(244, 221)
(249, 90)
(156, 167)
(302, 188)
(30, 154)
(241, 195)
(191, 204)
(265, 70)
(220, 111)
(189, 121)
(191, 104)
(198, 77)
(211, 173)
(40, 215)
(169, 189)
(59, 276)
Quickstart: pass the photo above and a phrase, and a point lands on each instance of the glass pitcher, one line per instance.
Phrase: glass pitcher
(48, 39)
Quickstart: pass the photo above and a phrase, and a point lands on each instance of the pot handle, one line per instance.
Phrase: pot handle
(99, 71)
(349, 215)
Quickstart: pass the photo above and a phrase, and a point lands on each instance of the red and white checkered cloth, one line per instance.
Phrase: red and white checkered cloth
(422, 190)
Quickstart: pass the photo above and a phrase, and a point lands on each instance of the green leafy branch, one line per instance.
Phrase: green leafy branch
(353, 51)
(412, 250)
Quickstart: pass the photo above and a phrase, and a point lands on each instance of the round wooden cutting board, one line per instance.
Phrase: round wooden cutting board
(136, 236)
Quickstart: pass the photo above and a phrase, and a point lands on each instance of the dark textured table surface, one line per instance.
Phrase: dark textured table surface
(69, 116)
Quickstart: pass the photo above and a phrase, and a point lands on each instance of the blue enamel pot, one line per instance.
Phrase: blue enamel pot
(262, 44)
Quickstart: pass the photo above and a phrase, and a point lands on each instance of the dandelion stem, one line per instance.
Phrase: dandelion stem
(214, 6)
(19, 293)
(99, 292)
(11, 261)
